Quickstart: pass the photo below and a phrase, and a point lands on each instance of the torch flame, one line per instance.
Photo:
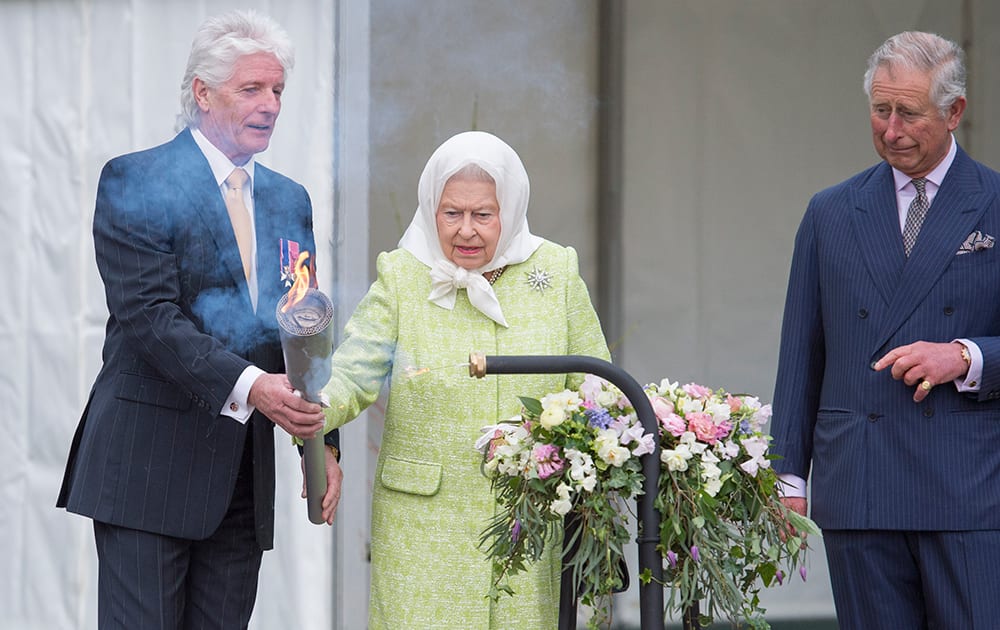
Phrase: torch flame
(301, 285)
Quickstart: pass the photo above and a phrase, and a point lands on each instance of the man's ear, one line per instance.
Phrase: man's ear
(200, 90)
(955, 113)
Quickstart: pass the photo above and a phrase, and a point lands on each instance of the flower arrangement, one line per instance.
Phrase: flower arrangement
(724, 534)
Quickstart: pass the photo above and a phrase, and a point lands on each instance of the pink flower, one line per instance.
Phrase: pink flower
(661, 407)
(674, 425)
(591, 387)
(498, 439)
(734, 403)
(802, 572)
(548, 460)
(696, 391)
(672, 559)
(703, 427)
(723, 429)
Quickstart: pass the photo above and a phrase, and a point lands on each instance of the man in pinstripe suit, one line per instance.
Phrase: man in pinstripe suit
(174, 456)
(888, 383)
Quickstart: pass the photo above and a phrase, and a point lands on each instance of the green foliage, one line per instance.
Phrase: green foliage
(724, 533)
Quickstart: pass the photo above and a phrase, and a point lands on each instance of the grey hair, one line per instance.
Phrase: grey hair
(943, 59)
(219, 43)
(472, 172)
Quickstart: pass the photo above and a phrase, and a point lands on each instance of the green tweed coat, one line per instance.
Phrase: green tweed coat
(431, 501)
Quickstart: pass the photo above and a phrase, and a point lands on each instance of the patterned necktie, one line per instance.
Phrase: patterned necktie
(240, 217)
(915, 215)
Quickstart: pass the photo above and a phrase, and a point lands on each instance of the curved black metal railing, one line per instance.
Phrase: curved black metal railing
(650, 593)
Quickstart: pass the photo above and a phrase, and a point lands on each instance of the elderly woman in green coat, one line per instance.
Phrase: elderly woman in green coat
(468, 276)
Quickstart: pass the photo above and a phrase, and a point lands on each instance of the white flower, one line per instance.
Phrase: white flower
(552, 417)
(632, 433)
(608, 448)
(708, 457)
(756, 448)
(564, 399)
(690, 405)
(616, 455)
(666, 388)
(719, 409)
(607, 398)
(711, 474)
(581, 469)
(676, 459)
(580, 463)
(689, 439)
(562, 505)
(646, 445)
(712, 486)
(495, 431)
(762, 415)
(727, 449)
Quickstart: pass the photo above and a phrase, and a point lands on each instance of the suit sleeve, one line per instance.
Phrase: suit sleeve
(801, 357)
(989, 383)
(134, 245)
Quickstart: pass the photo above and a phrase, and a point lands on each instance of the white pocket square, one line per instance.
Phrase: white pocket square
(977, 241)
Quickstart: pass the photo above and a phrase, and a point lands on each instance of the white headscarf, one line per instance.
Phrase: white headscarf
(516, 242)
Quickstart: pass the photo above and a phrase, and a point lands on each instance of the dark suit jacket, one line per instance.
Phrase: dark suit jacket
(879, 460)
(151, 451)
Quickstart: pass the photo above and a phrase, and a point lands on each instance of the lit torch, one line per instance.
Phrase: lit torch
(304, 318)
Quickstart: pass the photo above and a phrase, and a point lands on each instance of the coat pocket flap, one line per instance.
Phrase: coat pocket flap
(149, 390)
(411, 476)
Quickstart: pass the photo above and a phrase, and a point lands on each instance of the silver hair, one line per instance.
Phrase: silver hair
(943, 59)
(219, 43)
(472, 172)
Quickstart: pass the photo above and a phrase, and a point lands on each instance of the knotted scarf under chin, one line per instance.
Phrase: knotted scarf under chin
(447, 278)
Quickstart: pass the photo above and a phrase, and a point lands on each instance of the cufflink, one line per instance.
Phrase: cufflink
(234, 407)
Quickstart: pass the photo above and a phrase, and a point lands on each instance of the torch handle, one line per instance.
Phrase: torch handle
(314, 455)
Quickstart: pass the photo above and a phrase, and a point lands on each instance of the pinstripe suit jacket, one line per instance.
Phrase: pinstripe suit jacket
(151, 451)
(879, 460)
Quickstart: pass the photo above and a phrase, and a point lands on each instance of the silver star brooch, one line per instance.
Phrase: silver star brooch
(539, 279)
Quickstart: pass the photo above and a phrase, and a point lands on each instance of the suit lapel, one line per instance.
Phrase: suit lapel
(956, 210)
(202, 191)
(268, 272)
(876, 225)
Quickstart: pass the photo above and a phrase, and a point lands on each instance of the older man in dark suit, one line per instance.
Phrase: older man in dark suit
(174, 456)
(889, 371)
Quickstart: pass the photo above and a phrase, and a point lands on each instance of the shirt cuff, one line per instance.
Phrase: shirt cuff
(236, 406)
(791, 486)
(973, 378)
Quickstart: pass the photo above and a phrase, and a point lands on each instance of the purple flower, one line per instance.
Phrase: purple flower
(780, 577)
(548, 460)
(599, 417)
(672, 559)
(802, 572)
(515, 532)
(695, 553)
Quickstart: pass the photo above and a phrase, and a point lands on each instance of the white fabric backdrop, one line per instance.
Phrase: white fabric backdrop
(88, 80)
